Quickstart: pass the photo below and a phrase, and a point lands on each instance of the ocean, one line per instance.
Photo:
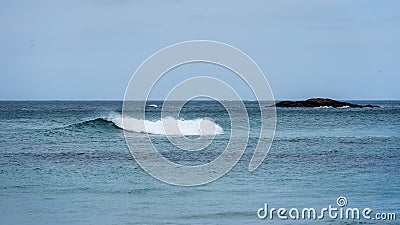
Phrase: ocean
(67, 162)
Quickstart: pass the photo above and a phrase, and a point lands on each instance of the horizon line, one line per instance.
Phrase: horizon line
(117, 100)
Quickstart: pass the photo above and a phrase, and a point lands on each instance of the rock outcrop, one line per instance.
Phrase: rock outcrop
(321, 102)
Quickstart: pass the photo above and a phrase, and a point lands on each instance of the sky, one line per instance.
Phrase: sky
(88, 50)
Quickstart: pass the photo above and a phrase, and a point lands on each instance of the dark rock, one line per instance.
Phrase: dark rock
(321, 102)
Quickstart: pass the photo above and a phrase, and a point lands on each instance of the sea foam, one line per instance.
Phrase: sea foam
(168, 126)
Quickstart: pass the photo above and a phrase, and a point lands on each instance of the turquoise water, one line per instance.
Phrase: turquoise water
(67, 162)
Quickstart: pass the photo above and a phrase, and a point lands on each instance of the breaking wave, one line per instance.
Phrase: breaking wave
(169, 126)
(165, 126)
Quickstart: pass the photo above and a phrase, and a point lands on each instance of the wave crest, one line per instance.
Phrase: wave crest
(169, 126)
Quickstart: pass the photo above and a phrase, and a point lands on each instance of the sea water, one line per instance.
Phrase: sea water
(68, 162)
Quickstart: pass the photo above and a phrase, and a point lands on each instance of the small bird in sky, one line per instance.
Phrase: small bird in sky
(31, 45)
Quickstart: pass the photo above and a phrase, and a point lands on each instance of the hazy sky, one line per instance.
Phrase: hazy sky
(90, 49)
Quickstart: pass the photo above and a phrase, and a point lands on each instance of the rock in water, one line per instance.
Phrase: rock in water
(321, 102)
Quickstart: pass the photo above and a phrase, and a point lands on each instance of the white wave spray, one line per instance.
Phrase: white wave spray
(168, 126)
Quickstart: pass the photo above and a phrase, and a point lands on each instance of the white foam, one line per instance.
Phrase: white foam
(323, 107)
(168, 126)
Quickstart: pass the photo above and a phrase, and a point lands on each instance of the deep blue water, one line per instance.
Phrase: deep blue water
(68, 163)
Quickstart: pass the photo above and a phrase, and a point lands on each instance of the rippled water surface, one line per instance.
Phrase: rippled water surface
(68, 162)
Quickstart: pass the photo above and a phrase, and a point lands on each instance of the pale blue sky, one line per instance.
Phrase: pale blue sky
(89, 49)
